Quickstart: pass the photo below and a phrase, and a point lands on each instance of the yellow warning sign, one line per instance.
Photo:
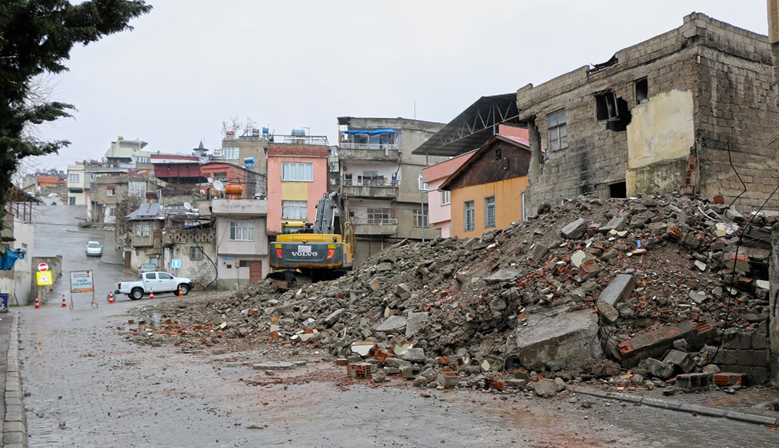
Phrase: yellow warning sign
(44, 278)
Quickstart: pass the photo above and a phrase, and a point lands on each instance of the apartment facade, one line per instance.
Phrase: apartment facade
(382, 180)
(241, 241)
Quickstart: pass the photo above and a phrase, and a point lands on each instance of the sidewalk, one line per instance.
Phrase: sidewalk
(11, 405)
(759, 405)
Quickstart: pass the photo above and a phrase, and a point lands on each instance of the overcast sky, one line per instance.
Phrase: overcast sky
(189, 65)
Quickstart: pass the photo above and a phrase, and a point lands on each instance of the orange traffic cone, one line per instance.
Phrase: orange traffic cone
(178, 292)
(37, 303)
(151, 294)
(64, 303)
(111, 297)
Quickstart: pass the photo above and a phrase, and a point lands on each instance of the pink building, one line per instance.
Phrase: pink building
(298, 176)
(438, 202)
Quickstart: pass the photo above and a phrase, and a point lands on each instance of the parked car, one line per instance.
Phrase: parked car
(153, 281)
(146, 267)
(94, 249)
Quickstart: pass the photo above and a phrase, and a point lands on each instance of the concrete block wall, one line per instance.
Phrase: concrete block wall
(746, 352)
(729, 72)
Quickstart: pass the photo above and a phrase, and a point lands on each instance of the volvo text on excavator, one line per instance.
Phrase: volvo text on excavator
(324, 250)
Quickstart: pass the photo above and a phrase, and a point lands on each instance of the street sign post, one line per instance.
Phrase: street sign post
(80, 282)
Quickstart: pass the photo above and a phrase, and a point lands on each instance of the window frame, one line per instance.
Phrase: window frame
(423, 215)
(111, 192)
(557, 130)
(446, 197)
(74, 177)
(288, 206)
(290, 172)
(195, 253)
(469, 216)
(232, 151)
(143, 229)
(490, 219)
(241, 231)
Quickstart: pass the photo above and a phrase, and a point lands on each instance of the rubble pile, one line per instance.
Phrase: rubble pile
(586, 289)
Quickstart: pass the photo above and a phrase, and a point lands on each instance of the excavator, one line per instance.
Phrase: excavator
(321, 251)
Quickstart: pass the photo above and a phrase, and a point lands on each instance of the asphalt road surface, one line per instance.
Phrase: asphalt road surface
(87, 385)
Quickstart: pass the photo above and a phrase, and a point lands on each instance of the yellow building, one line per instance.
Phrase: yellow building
(487, 192)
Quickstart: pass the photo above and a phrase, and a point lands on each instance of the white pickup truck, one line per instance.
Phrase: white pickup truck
(153, 281)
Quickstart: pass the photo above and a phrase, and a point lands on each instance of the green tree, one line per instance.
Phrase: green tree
(36, 37)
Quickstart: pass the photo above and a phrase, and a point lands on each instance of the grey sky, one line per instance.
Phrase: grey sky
(189, 65)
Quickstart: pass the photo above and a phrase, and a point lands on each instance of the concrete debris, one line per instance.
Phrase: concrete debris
(558, 296)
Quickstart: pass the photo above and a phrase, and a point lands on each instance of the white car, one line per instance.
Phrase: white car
(94, 249)
(154, 281)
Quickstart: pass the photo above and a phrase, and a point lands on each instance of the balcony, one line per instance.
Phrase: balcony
(387, 227)
(184, 236)
(369, 151)
(369, 188)
(239, 207)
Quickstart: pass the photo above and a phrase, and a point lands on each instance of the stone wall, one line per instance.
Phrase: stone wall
(746, 352)
(706, 83)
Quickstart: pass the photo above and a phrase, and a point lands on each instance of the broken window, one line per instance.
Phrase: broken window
(558, 130)
(470, 216)
(618, 190)
(642, 91)
(606, 106)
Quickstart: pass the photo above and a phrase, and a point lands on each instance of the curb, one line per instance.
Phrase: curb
(15, 419)
(690, 408)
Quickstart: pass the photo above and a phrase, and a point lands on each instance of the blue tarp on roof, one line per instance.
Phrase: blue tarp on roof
(371, 131)
(11, 255)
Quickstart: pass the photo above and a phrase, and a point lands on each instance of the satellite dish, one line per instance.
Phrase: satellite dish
(210, 180)
(218, 185)
(187, 206)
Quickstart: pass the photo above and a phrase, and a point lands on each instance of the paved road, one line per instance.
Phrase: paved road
(88, 386)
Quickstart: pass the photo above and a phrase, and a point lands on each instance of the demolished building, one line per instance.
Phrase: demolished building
(691, 110)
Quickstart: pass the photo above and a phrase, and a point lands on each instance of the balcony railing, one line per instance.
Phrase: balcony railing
(369, 182)
(373, 146)
(375, 222)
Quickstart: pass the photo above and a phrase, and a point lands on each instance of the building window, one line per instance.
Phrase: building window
(72, 200)
(136, 189)
(606, 106)
(195, 253)
(420, 218)
(489, 212)
(379, 215)
(73, 177)
(297, 172)
(642, 91)
(422, 185)
(446, 197)
(241, 231)
(470, 216)
(294, 210)
(243, 264)
(143, 229)
(220, 175)
(558, 130)
(230, 153)
(111, 192)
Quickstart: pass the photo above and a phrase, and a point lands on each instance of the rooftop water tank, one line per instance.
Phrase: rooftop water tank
(299, 132)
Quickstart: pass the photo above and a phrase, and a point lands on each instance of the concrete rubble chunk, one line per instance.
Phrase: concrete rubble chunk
(403, 291)
(563, 342)
(502, 276)
(658, 368)
(545, 388)
(577, 258)
(617, 223)
(415, 355)
(607, 311)
(575, 229)
(619, 289)
(415, 323)
(396, 363)
(334, 316)
(680, 359)
(697, 296)
(392, 324)
(537, 252)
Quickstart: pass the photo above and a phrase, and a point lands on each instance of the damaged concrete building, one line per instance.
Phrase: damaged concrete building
(692, 110)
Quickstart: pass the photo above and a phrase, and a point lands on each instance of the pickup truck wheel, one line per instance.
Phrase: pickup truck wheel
(184, 289)
(136, 294)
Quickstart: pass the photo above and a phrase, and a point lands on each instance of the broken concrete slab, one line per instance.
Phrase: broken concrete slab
(537, 252)
(658, 368)
(617, 223)
(657, 341)
(563, 342)
(415, 323)
(274, 365)
(545, 388)
(334, 316)
(392, 324)
(697, 296)
(607, 311)
(502, 276)
(416, 355)
(619, 289)
(574, 230)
